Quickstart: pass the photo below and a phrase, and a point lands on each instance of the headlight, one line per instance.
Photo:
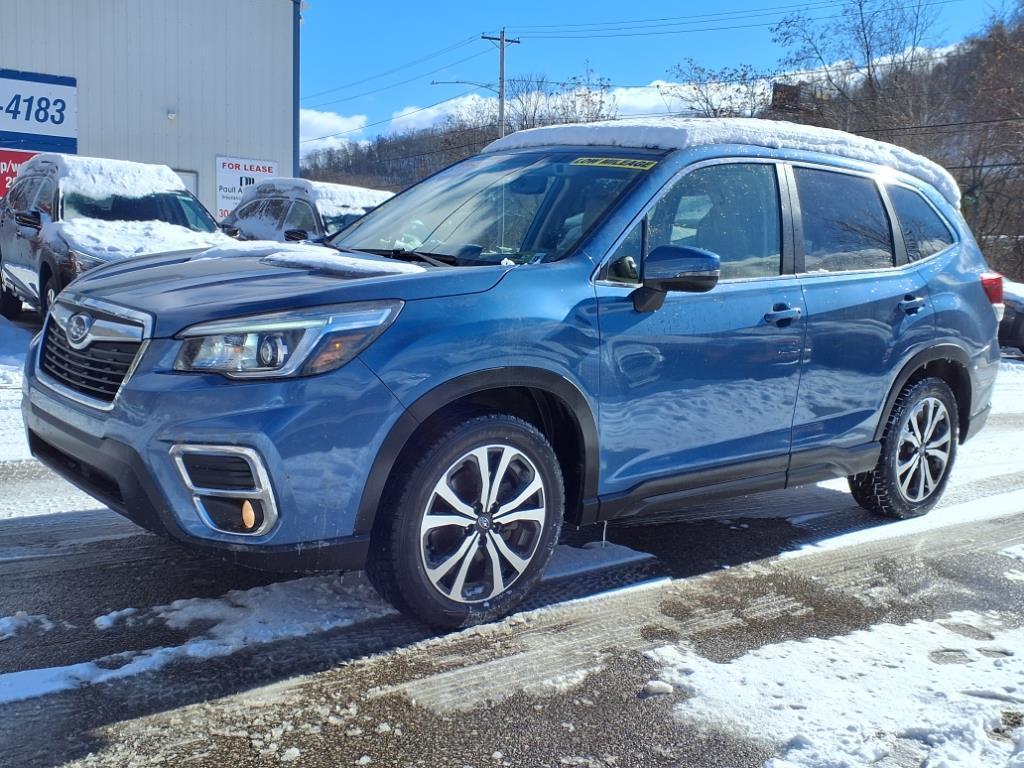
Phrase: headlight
(298, 343)
(82, 262)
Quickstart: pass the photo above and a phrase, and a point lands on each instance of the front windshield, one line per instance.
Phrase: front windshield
(172, 207)
(491, 208)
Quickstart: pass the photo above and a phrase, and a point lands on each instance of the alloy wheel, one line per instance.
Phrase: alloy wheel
(482, 523)
(924, 450)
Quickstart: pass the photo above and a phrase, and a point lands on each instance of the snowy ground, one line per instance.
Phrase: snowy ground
(798, 632)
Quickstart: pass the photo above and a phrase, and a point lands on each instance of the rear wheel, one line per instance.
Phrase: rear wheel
(918, 451)
(471, 524)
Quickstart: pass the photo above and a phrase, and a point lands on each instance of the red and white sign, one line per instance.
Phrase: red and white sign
(10, 162)
(234, 174)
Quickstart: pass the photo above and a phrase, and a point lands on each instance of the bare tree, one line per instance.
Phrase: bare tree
(740, 91)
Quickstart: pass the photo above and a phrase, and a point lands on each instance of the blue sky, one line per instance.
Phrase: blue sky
(367, 66)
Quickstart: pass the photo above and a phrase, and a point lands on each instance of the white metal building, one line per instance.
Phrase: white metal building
(200, 85)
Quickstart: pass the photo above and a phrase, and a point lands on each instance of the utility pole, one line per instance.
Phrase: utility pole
(502, 42)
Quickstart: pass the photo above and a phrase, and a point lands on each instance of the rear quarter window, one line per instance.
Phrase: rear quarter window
(924, 231)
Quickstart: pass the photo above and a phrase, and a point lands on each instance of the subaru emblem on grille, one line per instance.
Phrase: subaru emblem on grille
(78, 328)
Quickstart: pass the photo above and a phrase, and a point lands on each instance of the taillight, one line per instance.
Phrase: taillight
(992, 282)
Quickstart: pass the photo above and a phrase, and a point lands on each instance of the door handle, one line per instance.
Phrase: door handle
(782, 314)
(911, 304)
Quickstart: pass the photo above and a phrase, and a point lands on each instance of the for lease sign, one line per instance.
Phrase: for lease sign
(234, 174)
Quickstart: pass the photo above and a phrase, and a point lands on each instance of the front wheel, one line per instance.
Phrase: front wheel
(472, 523)
(48, 291)
(10, 305)
(918, 451)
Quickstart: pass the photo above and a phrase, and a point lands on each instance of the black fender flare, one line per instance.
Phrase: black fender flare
(462, 386)
(946, 351)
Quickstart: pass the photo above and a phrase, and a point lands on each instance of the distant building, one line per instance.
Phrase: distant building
(208, 87)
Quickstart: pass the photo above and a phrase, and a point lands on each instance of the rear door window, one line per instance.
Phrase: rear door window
(845, 226)
(924, 231)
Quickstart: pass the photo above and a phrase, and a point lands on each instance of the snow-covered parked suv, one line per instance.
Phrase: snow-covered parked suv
(65, 214)
(297, 209)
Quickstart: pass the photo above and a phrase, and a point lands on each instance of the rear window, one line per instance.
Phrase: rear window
(845, 226)
(924, 231)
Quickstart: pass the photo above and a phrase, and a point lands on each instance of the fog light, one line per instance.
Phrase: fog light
(248, 516)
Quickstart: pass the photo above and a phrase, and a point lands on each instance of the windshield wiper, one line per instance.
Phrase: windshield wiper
(406, 255)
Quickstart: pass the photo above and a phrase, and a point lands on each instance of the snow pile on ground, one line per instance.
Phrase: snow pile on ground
(1014, 553)
(240, 619)
(928, 693)
(11, 625)
(126, 239)
(13, 345)
(102, 177)
(687, 132)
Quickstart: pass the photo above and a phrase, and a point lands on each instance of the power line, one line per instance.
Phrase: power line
(602, 34)
(698, 16)
(476, 55)
(399, 68)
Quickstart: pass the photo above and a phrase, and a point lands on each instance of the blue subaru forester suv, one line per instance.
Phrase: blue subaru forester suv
(580, 324)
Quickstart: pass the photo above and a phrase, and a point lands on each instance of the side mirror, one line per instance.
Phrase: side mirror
(295, 235)
(229, 230)
(29, 223)
(675, 268)
(31, 219)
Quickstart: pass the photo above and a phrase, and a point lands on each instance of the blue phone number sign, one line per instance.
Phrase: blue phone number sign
(38, 113)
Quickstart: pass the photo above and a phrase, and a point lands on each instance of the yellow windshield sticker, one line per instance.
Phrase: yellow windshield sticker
(616, 162)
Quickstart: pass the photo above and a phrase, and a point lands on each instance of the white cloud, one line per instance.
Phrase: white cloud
(314, 124)
(414, 118)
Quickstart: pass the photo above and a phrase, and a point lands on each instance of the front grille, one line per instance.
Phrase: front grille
(219, 471)
(97, 371)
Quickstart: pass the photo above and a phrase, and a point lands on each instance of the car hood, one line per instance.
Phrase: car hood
(116, 240)
(252, 278)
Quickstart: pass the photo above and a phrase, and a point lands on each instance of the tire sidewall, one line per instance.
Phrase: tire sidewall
(418, 593)
(926, 388)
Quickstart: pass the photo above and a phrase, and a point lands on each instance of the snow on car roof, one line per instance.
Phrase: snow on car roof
(329, 198)
(687, 132)
(102, 177)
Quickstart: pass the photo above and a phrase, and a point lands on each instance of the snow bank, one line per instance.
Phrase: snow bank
(13, 345)
(987, 508)
(922, 694)
(102, 177)
(240, 619)
(687, 132)
(305, 256)
(127, 239)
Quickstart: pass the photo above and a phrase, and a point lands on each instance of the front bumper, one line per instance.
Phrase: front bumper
(316, 437)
